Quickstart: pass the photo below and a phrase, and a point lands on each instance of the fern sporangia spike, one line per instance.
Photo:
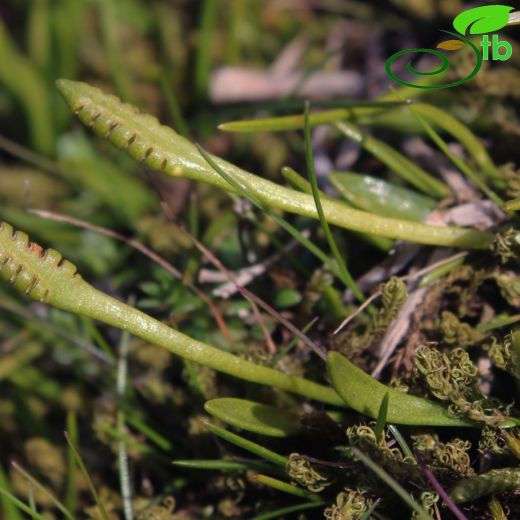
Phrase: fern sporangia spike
(494, 481)
(45, 276)
(162, 149)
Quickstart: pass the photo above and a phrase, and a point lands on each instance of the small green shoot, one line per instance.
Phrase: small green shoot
(381, 418)
(71, 492)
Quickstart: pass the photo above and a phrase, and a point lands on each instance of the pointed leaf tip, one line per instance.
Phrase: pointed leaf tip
(64, 86)
(363, 393)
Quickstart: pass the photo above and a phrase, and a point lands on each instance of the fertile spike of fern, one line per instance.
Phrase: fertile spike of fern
(45, 276)
(162, 149)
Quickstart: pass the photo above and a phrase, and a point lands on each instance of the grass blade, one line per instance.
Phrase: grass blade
(205, 46)
(368, 513)
(84, 471)
(174, 107)
(285, 487)
(392, 483)
(446, 122)
(279, 513)
(459, 163)
(110, 27)
(9, 508)
(9, 497)
(57, 503)
(71, 493)
(343, 271)
(284, 352)
(222, 465)
(381, 418)
(149, 432)
(400, 440)
(248, 445)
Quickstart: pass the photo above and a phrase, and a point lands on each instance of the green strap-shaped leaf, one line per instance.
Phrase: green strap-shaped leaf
(364, 394)
(254, 417)
(381, 197)
(485, 19)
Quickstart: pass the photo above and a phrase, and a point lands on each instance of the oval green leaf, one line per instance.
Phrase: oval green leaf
(254, 417)
(381, 197)
(481, 20)
(287, 297)
(364, 394)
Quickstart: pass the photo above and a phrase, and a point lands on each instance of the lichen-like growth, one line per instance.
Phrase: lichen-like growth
(507, 245)
(453, 377)
(304, 474)
(393, 297)
(350, 504)
(390, 457)
(450, 458)
(455, 332)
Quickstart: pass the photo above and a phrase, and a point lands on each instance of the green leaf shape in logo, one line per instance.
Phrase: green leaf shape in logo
(481, 20)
